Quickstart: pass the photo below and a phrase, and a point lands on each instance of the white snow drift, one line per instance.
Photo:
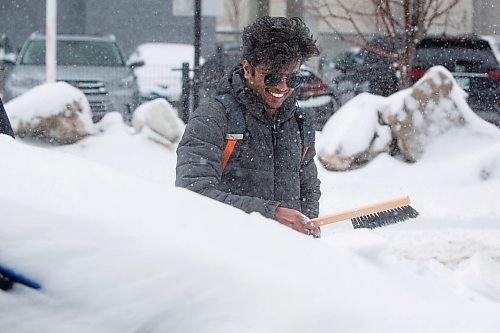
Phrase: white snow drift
(117, 248)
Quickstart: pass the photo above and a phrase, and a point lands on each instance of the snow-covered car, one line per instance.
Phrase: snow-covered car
(161, 74)
(94, 65)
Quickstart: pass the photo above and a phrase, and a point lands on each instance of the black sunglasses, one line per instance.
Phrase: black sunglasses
(292, 81)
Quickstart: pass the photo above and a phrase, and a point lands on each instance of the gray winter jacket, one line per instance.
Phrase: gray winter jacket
(267, 168)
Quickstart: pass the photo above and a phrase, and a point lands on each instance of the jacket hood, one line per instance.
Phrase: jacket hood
(235, 84)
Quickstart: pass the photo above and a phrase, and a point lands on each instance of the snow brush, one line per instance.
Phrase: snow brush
(373, 216)
(8, 277)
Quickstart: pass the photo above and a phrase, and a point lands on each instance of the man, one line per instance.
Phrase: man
(268, 171)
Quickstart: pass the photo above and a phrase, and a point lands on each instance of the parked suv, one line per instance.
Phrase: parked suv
(471, 60)
(474, 65)
(94, 65)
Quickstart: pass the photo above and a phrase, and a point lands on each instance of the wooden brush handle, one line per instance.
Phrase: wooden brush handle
(391, 204)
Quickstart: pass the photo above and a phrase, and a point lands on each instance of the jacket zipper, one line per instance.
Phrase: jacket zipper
(274, 134)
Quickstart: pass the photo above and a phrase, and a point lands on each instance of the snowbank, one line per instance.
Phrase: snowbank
(160, 117)
(117, 248)
(115, 253)
(403, 124)
(353, 134)
(55, 112)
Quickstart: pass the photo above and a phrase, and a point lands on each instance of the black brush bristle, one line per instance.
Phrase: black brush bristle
(383, 218)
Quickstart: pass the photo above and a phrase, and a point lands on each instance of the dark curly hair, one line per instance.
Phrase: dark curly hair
(278, 42)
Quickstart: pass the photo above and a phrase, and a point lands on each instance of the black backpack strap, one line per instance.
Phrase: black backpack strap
(306, 127)
(236, 125)
(5, 127)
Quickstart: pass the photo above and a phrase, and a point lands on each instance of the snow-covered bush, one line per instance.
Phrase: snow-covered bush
(52, 112)
(160, 117)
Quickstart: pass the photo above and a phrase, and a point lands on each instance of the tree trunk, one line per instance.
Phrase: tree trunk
(407, 45)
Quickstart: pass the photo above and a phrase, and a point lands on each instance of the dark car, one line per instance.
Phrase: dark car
(356, 70)
(472, 62)
(470, 59)
(314, 95)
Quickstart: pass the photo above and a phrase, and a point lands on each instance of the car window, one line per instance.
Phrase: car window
(469, 56)
(468, 59)
(75, 53)
(372, 58)
(349, 60)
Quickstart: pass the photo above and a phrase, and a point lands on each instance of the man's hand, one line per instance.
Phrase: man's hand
(296, 220)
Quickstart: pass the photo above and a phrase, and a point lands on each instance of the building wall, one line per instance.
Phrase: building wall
(487, 17)
(236, 15)
(19, 18)
(132, 22)
(239, 13)
(478, 16)
(457, 21)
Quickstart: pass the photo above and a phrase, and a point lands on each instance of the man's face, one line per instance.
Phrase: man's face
(272, 96)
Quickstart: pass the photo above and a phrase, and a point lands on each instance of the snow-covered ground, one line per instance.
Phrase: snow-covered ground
(117, 248)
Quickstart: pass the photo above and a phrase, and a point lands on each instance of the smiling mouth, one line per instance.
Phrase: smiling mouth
(276, 94)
